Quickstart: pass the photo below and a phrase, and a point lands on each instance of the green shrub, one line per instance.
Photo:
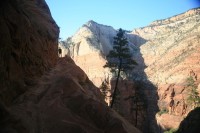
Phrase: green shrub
(163, 111)
(172, 130)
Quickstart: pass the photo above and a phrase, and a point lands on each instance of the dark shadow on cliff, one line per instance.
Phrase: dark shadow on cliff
(8, 123)
(140, 98)
(191, 124)
(146, 87)
(28, 45)
(28, 49)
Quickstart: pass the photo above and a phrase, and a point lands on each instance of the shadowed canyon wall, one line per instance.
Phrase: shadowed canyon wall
(28, 45)
(191, 124)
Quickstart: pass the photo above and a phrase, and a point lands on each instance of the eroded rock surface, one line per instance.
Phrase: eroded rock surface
(65, 100)
(28, 45)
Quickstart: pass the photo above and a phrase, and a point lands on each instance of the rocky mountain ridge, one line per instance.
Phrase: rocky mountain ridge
(97, 36)
(176, 18)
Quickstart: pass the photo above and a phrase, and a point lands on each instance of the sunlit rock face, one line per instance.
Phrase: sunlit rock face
(28, 45)
(172, 54)
(88, 48)
(172, 47)
(93, 37)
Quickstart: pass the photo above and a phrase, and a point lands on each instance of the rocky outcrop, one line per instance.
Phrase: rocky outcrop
(28, 45)
(62, 49)
(65, 100)
(167, 121)
(176, 18)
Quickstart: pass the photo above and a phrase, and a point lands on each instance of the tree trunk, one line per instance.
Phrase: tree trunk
(136, 114)
(114, 93)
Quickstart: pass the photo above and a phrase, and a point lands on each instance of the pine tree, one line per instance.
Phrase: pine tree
(193, 97)
(138, 100)
(119, 59)
(104, 88)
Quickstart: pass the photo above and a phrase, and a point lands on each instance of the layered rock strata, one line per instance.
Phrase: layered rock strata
(171, 54)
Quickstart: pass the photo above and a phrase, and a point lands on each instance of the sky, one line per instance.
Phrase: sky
(70, 15)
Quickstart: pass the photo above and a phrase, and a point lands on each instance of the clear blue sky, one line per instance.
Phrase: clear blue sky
(70, 15)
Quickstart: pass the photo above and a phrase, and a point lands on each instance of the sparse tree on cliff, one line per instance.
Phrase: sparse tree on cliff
(139, 101)
(104, 88)
(119, 59)
(193, 97)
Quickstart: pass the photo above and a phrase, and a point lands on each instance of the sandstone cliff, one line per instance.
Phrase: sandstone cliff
(171, 43)
(28, 45)
(65, 100)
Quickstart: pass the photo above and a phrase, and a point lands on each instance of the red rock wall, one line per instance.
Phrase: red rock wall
(65, 100)
(28, 37)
